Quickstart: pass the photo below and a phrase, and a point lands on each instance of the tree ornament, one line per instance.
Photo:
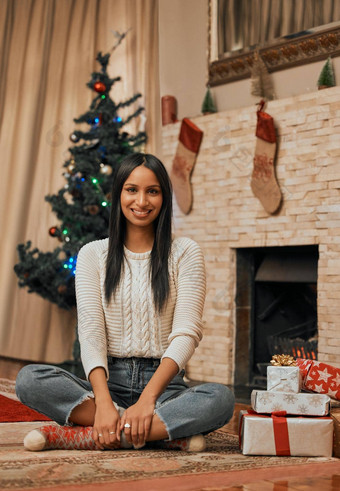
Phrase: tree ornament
(261, 81)
(92, 209)
(208, 105)
(54, 232)
(62, 289)
(263, 180)
(108, 196)
(99, 87)
(326, 78)
(74, 138)
(105, 169)
(70, 168)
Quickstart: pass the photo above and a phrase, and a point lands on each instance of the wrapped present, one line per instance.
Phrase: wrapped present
(284, 379)
(335, 415)
(296, 404)
(280, 435)
(320, 377)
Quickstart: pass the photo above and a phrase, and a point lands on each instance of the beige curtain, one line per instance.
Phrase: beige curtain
(47, 53)
(245, 23)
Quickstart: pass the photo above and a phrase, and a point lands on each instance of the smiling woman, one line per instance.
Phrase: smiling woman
(140, 298)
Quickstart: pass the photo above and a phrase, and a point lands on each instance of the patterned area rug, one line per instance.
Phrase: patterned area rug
(23, 469)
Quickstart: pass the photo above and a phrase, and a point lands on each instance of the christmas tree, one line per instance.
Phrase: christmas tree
(327, 78)
(82, 205)
(208, 105)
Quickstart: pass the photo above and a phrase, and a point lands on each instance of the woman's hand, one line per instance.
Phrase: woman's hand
(139, 417)
(106, 427)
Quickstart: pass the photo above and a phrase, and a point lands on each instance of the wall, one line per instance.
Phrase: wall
(183, 30)
(226, 215)
(183, 44)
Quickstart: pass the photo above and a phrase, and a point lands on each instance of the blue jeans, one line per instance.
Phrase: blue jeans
(185, 411)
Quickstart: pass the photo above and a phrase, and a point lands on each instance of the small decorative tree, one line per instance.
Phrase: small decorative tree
(208, 105)
(326, 78)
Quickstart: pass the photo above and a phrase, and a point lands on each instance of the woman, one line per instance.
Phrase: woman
(140, 297)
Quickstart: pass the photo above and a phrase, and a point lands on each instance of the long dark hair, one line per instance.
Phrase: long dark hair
(159, 271)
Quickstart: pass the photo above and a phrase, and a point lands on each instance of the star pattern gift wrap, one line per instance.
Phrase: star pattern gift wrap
(284, 379)
(320, 377)
(295, 404)
(280, 435)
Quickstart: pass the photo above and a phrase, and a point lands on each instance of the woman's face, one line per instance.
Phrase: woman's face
(141, 197)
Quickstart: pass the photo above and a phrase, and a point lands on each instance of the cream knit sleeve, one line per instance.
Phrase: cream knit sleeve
(91, 321)
(191, 288)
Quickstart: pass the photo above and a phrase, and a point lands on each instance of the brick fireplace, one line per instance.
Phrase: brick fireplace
(226, 217)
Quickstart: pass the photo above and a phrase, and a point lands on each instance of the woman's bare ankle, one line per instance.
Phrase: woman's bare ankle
(84, 413)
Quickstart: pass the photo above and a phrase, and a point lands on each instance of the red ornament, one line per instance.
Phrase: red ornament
(53, 231)
(99, 87)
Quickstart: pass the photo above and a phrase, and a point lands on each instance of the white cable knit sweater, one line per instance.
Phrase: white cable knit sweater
(129, 325)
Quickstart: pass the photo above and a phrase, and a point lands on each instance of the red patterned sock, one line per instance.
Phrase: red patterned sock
(60, 437)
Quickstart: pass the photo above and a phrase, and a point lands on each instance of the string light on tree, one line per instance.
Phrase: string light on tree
(70, 264)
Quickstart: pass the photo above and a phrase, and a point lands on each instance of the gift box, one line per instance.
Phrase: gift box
(296, 404)
(335, 415)
(280, 435)
(284, 379)
(320, 377)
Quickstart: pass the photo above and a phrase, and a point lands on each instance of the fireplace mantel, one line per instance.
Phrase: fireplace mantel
(227, 216)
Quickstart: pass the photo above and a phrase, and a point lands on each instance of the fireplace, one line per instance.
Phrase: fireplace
(276, 308)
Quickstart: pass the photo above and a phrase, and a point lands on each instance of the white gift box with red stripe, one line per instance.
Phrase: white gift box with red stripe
(296, 404)
(320, 377)
(277, 434)
(284, 379)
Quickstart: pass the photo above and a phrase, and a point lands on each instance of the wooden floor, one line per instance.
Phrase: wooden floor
(306, 481)
(331, 483)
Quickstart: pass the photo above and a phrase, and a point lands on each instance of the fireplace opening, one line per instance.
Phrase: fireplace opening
(276, 308)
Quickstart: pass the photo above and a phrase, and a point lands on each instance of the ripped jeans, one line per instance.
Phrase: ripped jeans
(185, 411)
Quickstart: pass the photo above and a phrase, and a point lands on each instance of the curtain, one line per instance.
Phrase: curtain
(246, 23)
(47, 53)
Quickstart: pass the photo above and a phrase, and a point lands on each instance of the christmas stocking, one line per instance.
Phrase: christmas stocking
(190, 138)
(263, 181)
